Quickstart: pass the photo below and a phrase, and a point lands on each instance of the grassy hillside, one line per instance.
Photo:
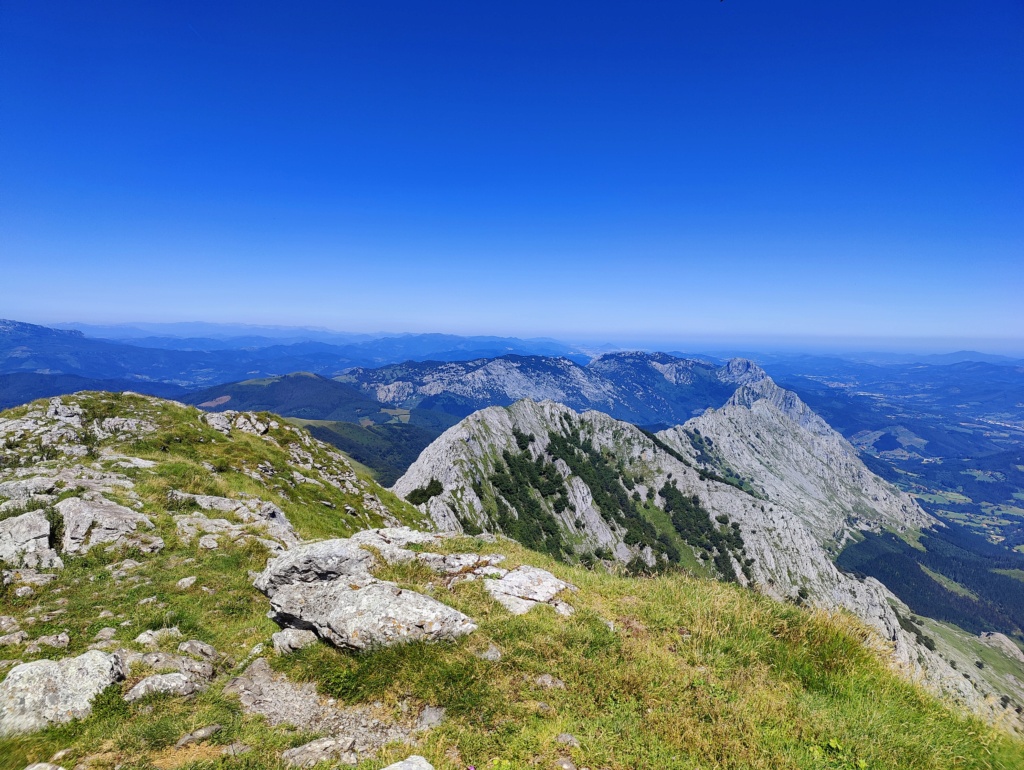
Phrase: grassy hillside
(385, 440)
(387, 449)
(664, 672)
(691, 674)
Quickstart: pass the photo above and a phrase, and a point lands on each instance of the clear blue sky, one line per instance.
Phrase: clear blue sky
(574, 169)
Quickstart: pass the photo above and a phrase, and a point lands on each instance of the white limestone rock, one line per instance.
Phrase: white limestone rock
(341, 749)
(415, 762)
(25, 542)
(374, 615)
(88, 523)
(314, 562)
(525, 587)
(46, 692)
(166, 684)
(291, 639)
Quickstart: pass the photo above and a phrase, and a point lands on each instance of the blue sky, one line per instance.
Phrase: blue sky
(651, 170)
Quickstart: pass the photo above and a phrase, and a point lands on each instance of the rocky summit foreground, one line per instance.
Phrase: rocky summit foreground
(199, 591)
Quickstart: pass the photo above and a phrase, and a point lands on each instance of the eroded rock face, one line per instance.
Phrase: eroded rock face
(88, 523)
(46, 692)
(316, 562)
(25, 542)
(376, 615)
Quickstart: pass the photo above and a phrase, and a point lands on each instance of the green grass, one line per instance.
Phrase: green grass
(948, 583)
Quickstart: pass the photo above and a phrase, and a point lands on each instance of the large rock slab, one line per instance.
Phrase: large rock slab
(375, 615)
(45, 692)
(25, 542)
(88, 523)
(315, 562)
(264, 515)
(525, 587)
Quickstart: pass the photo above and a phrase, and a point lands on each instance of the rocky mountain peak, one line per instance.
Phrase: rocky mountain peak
(741, 371)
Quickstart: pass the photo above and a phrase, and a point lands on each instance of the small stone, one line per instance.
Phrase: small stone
(154, 637)
(236, 750)
(147, 600)
(18, 637)
(186, 582)
(106, 614)
(292, 639)
(548, 682)
(55, 640)
(415, 762)
(564, 763)
(105, 634)
(209, 542)
(492, 654)
(8, 623)
(198, 736)
(199, 649)
(44, 766)
(567, 739)
(23, 592)
(430, 717)
(320, 750)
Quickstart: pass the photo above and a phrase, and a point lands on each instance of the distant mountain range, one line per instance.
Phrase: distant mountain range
(196, 362)
(948, 428)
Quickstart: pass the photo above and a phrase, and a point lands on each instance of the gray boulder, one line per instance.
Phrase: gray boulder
(91, 522)
(325, 749)
(415, 762)
(375, 615)
(292, 639)
(45, 692)
(199, 671)
(169, 684)
(199, 649)
(314, 562)
(525, 587)
(25, 542)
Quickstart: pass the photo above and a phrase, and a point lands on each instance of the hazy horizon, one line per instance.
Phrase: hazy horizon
(696, 343)
(701, 171)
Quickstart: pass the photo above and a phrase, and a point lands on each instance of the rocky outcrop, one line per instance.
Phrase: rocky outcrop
(162, 684)
(25, 542)
(98, 521)
(525, 587)
(792, 457)
(329, 588)
(264, 516)
(358, 729)
(786, 550)
(47, 692)
(376, 615)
